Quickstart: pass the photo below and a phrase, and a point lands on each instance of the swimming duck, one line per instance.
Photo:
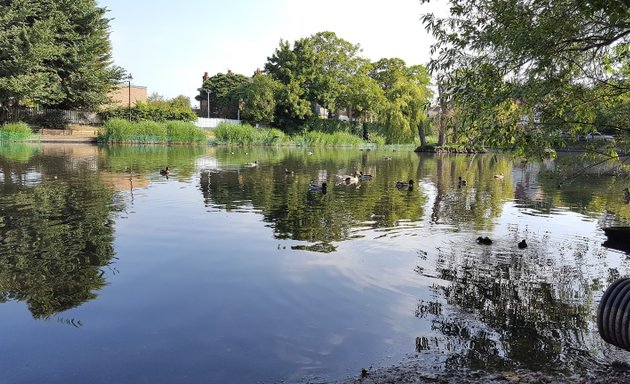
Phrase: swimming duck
(351, 179)
(498, 176)
(461, 182)
(255, 163)
(164, 172)
(626, 195)
(364, 177)
(403, 184)
(315, 187)
(522, 244)
(484, 240)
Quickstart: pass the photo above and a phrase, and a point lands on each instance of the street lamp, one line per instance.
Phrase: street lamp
(129, 78)
(208, 94)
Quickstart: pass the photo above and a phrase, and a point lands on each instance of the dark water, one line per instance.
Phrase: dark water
(111, 272)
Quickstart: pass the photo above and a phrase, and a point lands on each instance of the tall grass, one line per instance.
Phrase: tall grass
(15, 132)
(123, 131)
(247, 135)
(315, 138)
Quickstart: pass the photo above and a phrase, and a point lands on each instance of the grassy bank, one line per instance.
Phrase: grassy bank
(150, 132)
(15, 132)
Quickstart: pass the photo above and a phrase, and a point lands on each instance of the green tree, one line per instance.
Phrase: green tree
(259, 98)
(224, 102)
(56, 54)
(407, 93)
(547, 58)
(317, 70)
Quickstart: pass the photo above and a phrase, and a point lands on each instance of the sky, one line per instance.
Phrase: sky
(167, 45)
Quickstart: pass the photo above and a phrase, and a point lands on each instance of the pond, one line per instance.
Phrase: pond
(225, 272)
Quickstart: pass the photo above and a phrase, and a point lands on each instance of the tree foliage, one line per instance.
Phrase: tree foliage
(224, 102)
(55, 54)
(259, 98)
(324, 76)
(562, 61)
(407, 95)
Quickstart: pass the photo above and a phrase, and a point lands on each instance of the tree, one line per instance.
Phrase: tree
(56, 54)
(258, 96)
(407, 93)
(317, 70)
(223, 101)
(543, 58)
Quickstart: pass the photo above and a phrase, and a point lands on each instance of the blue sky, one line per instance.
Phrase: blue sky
(168, 45)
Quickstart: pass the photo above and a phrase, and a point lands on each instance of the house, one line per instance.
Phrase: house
(127, 94)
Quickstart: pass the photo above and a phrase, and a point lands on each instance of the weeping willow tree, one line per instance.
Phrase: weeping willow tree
(406, 95)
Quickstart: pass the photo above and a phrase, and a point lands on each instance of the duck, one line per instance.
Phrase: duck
(499, 176)
(403, 184)
(315, 187)
(164, 172)
(387, 158)
(254, 164)
(461, 182)
(484, 240)
(626, 195)
(350, 179)
(522, 244)
(288, 172)
(364, 177)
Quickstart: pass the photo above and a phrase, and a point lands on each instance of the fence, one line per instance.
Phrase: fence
(34, 114)
(85, 117)
(211, 123)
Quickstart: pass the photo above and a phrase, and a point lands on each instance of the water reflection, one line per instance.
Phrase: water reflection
(405, 259)
(56, 233)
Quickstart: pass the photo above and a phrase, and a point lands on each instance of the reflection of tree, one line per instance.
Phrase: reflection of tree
(476, 203)
(55, 238)
(295, 213)
(514, 309)
(148, 159)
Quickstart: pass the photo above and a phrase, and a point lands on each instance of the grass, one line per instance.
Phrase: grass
(15, 132)
(230, 134)
(169, 132)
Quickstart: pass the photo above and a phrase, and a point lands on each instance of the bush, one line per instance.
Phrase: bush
(15, 132)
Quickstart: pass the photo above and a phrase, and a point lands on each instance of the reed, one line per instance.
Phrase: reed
(19, 131)
(245, 134)
(151, 132)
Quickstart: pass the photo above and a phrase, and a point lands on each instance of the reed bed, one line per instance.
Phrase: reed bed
(151, 132)
(231, 134)
(15, 132)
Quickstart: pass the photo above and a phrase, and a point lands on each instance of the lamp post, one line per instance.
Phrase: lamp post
(207, 91)
(129, 78)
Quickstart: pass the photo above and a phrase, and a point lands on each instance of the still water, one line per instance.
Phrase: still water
(223, 272)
